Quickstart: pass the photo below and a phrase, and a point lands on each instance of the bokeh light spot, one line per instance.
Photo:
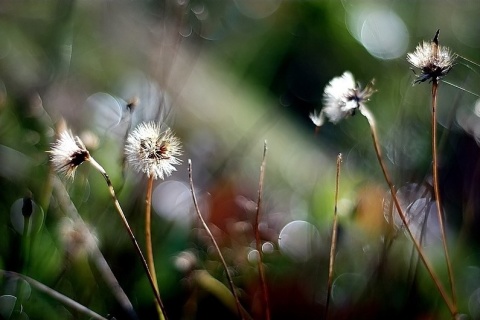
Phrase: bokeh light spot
(381, 31)
(172, 200)
(299, 240)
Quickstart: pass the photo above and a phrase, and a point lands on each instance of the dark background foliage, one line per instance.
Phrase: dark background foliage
(227, 75)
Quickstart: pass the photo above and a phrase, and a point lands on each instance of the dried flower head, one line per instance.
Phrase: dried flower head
(433, 60)
(341, 97)
(67, 153)
(153, 151)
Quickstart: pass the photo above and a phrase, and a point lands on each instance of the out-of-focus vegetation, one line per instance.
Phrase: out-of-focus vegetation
(226, 76)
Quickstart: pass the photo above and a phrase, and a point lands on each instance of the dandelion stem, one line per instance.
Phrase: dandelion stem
(436, 189)
(54, 294)
(207, 229)
(258, 244)
(97, 166)
(371, 121)
(148, 238)
(334, 237)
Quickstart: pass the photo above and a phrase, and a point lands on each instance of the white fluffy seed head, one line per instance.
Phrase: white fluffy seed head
(341, 97)
(67, 153)
(152, 150)
(336, 104)
(434, 60)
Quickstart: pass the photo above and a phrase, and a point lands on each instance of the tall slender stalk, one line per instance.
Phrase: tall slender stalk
(258, 244)
(207, 229)
(436, 189)
(129, 231)
(334, 237)
(148, 239)
(371, 121)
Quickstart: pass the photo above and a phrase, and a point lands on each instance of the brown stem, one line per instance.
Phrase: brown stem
(436, 189)
(334, 237)
(148, 239)
(258, 244)
(130, 232)
(438, 284)
(207, 229)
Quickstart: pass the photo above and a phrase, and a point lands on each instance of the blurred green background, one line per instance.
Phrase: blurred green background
(226, 76)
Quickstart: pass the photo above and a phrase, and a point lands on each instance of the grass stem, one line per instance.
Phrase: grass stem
(371, 121)
(207, 229)
(436, 189)
(258, 243)
(333, 244)
(148, 239)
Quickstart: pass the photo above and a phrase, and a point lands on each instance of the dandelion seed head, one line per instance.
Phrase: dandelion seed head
(153, 151)
(341, 97)
(67, 153)
(434, 60)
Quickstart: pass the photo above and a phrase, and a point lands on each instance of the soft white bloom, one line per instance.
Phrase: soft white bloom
(153, 151)
(433, 60)
(67, 153)
(337, 101)
(341, 97)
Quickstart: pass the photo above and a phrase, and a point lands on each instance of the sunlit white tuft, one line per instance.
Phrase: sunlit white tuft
(341, 97)
(67, 153)
(153, 151)
(434, 60)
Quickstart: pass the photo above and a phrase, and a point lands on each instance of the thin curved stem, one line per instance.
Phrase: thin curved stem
(258, 244)
(371, 121)
(148, 239)
(54, 294)
(334, 237)
(436, 189)
(129, 231)
(207, 229)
